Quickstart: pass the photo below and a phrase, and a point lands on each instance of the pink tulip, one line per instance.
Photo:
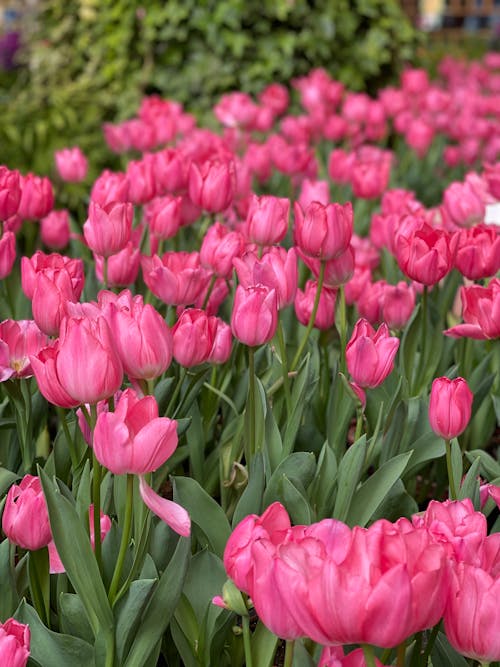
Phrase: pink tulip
(24, 502)
(163, 216)
(55, 229)
(276, 97)
(212, 185)
(304, 302)
(177, 278)
(236, 110)
(267, 220)
(54, 288)
(476, 251)
(171, 171)
(398, 304)
(222, 343)
(370, 355)
(277, 269)
(450, 407)
(10, 192)
(462, 205)
(134, 440)
(338, 271)
(107, 229)
(7, 253)
(142, 338)
(19, 340)
(255, 314)
(423, 254)
(14, 643)
(481, 312)
(30, 266)
(472, 618)
(193, 337)
(61, 376)
(314, 191)
(122, 268)
(71, 164)
(323, 232)
(219, 247)
(110, 187)
(37, 197)
(370, 178)
(140, 174)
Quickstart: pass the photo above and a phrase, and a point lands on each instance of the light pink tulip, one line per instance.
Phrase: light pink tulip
(255, 314)
(370, 355)
(24, 502)
(15, 640)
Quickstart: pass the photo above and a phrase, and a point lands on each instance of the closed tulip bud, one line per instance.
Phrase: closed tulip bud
(55, 230)
(323, 232)
(24, 502)
(212, 185)
(222, 342)
(370, 178)
(193, 337)
(314, 191)
(163, 216)
(53, 289)
(219, 247)
(171, 171)
(141, 181)
(370, 354)
(462, 205)
(423, 253)
(142, 337)
(255, 314)
(7, 254)
(267, 220)
(450, 407)
(477, 251)
(71, 164)
(14, 643)
(37, 197)
(10, 192)
(108, 228)
(304, 303)
(398, 304)
(110, 187)
(277, 269)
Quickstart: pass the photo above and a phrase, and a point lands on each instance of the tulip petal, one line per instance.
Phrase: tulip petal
(171, 513)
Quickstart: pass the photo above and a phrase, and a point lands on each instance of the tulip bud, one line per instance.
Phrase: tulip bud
(323, 232)
(108, 228)
(71, 164)
(370, 355)
(37, 197)
(212, 185)
(450, 407)
(267, 220)
(255, 314)
(55, 230)
(25, 502)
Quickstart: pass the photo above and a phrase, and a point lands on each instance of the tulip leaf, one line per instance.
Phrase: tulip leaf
(339, 412)
(456, 463)
(427, 447)
(323, 484)
(52, 649)
(264, 644)
(298, 467)
(470, 485)
(73, 619)
(207, 515)
(183, 644)
(251, 498)
(128, 613)
(161, 606)
(295, 502)
(7, 478)
(273, 441)
(443, 655)
(301, 385)
(489, 466)
(9, 598)
(195, 437)
(39, 581)
(348, 476)
(371, 493)
(73, 546)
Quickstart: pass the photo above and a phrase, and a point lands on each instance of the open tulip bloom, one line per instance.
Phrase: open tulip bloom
(258, 365)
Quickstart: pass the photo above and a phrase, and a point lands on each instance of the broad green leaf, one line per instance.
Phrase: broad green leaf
(39, 578)
(295, 502)
(348, 476)
(323, 484)
(489, 466)
(263, 645)
(7, 478)
(205, 513)
(73, 546)
(340, 409)
(443, 655)
(427, 447)
(9, 598)
(470, 485)
(371, 493)
(251, 498)
(161, 606)
(128, 613)
(301, 385)
(52, 649)
(273, 442)
(299, 466)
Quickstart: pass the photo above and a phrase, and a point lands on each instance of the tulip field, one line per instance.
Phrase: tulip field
(250, 384)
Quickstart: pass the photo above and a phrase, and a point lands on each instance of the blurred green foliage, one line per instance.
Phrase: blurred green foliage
(89, 61)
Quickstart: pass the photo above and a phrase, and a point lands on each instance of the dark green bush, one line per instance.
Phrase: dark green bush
(91, 60)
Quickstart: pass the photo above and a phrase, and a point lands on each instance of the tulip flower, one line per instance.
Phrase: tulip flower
(30, 266)
(323, 232)
(212, 184)
(55, 229)
(423, 254)
(163, 216)
(18, 341)
(370, 355)
(255, 314)
(53, 290)
(480, 311)
(37, 197)
(222, 342)
(24, 502)
(110, 187)
(304, 303)
(141, 181)
(398, 304)
(71, 164)
(277, 269)
(134, 439)
(219, 247)
(476, 251)
(450, 407)
(10, 192)
(122, 268)
(7, 253)
(462, 205)
(14, 643)
(267, 220)
(177, 278)
(108, 228)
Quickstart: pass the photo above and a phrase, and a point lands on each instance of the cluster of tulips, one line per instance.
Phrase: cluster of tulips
(200, 322)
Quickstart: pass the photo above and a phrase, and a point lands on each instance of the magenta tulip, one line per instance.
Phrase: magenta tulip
(450, 407)
(370, 355)
(24, 502)
(255, 315)
(14, 643)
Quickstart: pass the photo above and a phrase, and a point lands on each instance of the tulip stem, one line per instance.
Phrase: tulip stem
(401, 655)
(105, 272)
(177, 389)
(69, 440)
(342, 328)
(359, 423)
(289, 648)
(251, 403)
(369, 655)
(127, 526)
(312, 319)
(209, 291)
(96, 492)
(246, 641)
(451, 480)
(430, 644)
(284, 367)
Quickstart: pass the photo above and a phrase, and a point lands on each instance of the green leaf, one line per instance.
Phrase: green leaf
(9, 598)
(161, 606)
(7, 478)
(349, 474)
(323, 484)
(295, 502)
(489, 466)
(470, 485)
(443, 655)
(341, 407)
(251, 498)
(263, 645)
(207, 515)
(73, 546)
(301, 385)
(427, 447)
(52, 649)
(39, 578)
(73, 618)
(298, 467)
(128, 613)
(372, 493)
(273, 442)
(456, 463)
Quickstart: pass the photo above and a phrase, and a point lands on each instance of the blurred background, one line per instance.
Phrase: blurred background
(67, 66)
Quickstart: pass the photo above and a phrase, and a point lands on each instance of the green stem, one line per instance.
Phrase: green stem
(359, 423)
(96, 493)
(451, 481)
(127, 527)
(284, 367)
(430, 644)
(369, 655)
(289, 647)
(251, 402)
(417, 650)
(105, 272)
(246, 641)
(401, 655)
(312, 319)
(69, 440)
(209, 291)
(177, 390)
(342, 328)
